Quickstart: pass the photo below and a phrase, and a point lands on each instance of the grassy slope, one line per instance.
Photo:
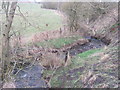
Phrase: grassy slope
(72, 75)
(38, 17)
(77, 61)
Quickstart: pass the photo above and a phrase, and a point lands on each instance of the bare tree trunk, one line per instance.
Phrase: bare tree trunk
(5, 38)
(0, 47)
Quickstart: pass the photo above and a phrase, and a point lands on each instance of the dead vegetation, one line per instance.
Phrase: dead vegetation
(51, 61)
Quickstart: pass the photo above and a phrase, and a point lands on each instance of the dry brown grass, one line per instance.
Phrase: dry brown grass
(51, 60)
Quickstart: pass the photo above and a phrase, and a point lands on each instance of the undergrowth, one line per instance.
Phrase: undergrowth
(78, 62)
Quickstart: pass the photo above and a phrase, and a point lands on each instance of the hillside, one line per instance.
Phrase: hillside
(49, 47)
(94, 68)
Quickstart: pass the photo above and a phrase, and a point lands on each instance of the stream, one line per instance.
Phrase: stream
(32, 77)
(92, 44)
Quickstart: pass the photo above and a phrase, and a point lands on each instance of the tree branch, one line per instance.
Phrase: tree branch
(25, 18)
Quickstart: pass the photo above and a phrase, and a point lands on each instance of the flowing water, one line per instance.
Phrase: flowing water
(92, 44)
(32, 77)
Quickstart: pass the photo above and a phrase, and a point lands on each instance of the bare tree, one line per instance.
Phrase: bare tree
(9, 9)
(84, 12)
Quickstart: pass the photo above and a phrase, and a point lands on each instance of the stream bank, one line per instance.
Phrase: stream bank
(32, 77)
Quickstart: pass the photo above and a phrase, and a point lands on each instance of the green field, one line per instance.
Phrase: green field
(37, 17)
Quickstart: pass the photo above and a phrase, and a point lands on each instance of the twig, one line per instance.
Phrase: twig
(25, 18)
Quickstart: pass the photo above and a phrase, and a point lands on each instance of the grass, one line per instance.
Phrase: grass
(38, 17)
(87, 60)
(82, 58)
(78, 61)
(86, 54)
(58, 42)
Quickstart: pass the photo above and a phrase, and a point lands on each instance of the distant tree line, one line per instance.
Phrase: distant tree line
(50, 5)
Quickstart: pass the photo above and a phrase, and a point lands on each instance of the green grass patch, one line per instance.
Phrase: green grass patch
(80, 59)
(86, 54)
(59, 42)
